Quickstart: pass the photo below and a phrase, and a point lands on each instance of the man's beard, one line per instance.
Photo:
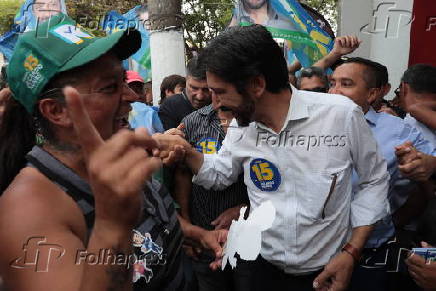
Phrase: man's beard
(249, 5)
(244, 113)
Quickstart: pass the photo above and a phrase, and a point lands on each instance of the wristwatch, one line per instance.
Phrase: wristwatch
(355, 253)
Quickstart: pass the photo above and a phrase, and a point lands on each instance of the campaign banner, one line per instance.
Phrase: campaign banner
(287, 19)
(135, 18)
(31, 13)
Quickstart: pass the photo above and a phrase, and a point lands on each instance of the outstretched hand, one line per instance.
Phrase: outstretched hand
(117, 168)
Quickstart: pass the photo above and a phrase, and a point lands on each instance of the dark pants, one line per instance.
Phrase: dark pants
(383, 269)
(267, 277)
(227, 280)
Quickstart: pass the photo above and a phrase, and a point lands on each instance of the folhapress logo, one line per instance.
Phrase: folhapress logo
(38, 254)
(387, 19)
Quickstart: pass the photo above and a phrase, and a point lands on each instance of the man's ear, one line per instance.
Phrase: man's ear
(55, 112)
(386, 89)
(257, 86)
(374, 93)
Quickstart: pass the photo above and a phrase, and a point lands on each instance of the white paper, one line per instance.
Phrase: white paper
(245, 236)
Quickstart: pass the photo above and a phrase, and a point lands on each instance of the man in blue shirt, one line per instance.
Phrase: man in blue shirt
(361, 80)
(141, 114)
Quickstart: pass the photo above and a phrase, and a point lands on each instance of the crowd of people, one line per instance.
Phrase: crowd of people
(101, 190)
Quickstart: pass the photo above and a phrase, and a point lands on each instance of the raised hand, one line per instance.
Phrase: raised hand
(345, 45)
(117, 168)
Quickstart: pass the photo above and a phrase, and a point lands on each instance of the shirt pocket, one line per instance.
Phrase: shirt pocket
(320, 195)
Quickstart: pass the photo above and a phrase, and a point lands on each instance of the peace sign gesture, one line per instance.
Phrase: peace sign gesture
(117, 168)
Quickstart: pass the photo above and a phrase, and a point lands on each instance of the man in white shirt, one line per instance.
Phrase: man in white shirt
(299, 153)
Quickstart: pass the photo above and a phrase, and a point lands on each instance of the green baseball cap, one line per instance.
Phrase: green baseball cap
(59, 45)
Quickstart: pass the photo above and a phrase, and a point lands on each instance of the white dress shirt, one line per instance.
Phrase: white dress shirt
(324, 136)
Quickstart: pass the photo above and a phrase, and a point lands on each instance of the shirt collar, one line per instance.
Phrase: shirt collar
(298, 108)
(371, 116)
(206, 110)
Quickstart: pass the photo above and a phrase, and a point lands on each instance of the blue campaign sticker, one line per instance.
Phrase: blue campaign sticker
(208, 145)
(265, 175)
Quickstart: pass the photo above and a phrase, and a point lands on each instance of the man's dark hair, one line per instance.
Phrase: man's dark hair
(313, 71)
(421, 78)
(170, 83)
(375, 75)
(195, 69)
(241, 53)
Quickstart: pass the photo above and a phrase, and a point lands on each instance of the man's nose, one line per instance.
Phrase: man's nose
(334, 90)
(128, 95)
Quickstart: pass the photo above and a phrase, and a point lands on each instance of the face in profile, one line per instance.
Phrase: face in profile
(44, 9)
(226, 97)
(254, 4)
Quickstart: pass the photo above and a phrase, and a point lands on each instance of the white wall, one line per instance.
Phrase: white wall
(167, 57)
(384, 27)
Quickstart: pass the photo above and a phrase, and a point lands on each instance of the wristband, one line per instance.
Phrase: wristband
(348, 248)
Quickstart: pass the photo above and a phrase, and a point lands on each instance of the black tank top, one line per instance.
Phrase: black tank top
(157, 240)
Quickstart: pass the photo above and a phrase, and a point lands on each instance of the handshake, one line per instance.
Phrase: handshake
(171, 146)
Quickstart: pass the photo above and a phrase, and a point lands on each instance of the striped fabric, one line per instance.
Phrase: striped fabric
(158, 238)
(203, 131)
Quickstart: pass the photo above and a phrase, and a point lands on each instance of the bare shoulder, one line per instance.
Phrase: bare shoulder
(36, 200)
(35, 213)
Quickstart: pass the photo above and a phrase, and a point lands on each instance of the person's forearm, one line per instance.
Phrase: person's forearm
(192, 233)
(194, 160)
(111, 274)
(182, 190)
(295, 66)
(327, 61)
(360, 235)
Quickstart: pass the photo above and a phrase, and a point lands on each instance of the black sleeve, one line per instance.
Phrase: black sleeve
(168, 116)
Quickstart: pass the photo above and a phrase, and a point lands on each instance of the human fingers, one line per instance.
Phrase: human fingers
(425, 245)
(175, 131)
(409, 168)
(354, 41)
(142, 171)
(88, 136)
(415, 262)
(322, 280)
(121, 142)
